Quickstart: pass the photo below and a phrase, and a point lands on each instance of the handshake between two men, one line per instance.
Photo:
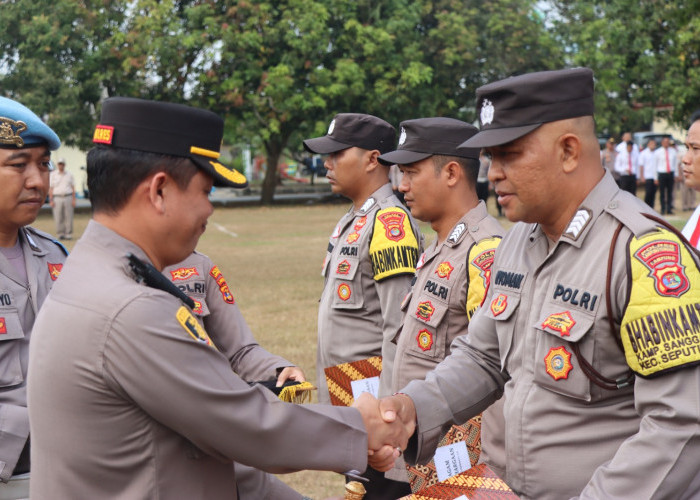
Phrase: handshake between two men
(389, 422)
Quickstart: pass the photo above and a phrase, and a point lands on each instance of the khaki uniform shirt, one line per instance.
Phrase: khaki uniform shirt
(19, 303)
(130, 398)
(567, 437)
(450, 283)
(371, 260)
(216, 309)
(61, 183)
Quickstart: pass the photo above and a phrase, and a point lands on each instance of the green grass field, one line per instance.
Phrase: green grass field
(272, 259)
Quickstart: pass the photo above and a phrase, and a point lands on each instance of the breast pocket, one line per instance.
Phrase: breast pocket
(10, 335)
(556, 367)
(430, 334)
(347, 286)
(502, 307)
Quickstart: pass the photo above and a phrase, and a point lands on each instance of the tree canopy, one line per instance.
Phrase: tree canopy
(278, 71)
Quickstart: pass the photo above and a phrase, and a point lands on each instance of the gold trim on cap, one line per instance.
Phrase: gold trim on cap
(204, 152)
(231, 175)
(8, 134)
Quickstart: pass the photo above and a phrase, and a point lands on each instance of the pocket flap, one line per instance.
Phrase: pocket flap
(568, 324)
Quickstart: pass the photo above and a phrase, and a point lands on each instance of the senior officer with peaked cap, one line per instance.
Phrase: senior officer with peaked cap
(591, 321)
(439, 184)
(30, 263)
(130, 397)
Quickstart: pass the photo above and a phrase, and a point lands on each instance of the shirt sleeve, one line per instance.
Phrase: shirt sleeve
(158, 356)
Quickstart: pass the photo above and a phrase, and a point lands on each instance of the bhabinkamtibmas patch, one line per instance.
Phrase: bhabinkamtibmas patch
(192, 326)
(661, 326)
(394, 247)
(479, 261)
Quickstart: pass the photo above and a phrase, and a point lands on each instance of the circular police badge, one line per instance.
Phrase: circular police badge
(487, 112)
(344, 292)
(402, 137)
(331, 127)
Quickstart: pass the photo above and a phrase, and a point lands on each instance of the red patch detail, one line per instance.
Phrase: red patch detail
(393, 225)
(444, 270)
(197, 307)
(343, 267)
(352, 237)
(484, 261)
(183, 273)
(499, 304)
(360, 223)
(425, 310)
(559, 322)
(663, 259)
(3, 326)
(221, 281)
(54, 270)
(344, 292)
(103, 134)
(425, 340)
(557, 363)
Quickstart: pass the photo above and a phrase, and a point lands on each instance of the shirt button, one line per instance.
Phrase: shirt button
(612, 205)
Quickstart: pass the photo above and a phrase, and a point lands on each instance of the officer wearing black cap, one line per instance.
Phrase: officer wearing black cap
(371, 258)
(439, 185)
(130, 396)
(588, 321)
(30, 262)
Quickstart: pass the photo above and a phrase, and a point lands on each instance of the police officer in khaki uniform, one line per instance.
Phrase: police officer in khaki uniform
(130, 397)
(216, 309)
(30, 262)
(439, 186)
(371, 258)
(591, 320)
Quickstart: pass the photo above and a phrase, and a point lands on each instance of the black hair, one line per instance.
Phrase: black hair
(114, 173)
(694, 117)
(470, 166)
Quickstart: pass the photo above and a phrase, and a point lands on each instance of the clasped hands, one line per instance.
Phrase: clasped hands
(389, 422)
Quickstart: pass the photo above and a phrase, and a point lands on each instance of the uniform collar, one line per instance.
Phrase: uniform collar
(113, 244)
(592, 206)
(380, 194)
(468, 223)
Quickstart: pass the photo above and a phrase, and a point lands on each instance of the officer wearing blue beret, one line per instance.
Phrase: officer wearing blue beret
(30, 262)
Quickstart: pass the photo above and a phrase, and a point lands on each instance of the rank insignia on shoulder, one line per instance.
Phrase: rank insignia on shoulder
(367, 205)
(444, 270)
(191, 326)
(344, 292)
(559, 322)
(223, 287)
(557, 363)
(425, 340)
(425, 310)
(54, 270)
(457, 232)
(183, 273)
(421, 261)
(336, 231)
(578, 224)
(499, 304)
(3, 326)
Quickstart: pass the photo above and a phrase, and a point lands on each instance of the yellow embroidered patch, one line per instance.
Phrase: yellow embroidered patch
(394, 247)
(661, 327)
(480, 259)
(192, 326)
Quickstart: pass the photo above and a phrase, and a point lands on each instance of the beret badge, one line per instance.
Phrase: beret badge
(10, 130)
(487, 112)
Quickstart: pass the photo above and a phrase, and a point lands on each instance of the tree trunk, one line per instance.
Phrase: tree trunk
(271, 177)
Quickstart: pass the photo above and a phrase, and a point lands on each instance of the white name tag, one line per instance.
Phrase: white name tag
(370, 385)
(452, 459)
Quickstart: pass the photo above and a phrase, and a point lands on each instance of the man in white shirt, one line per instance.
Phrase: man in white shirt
(665, 159)
(62, 200)
(690, 167)
(647, 171)
(626, 165)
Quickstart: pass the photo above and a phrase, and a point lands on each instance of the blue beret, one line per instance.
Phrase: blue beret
(21, 128)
